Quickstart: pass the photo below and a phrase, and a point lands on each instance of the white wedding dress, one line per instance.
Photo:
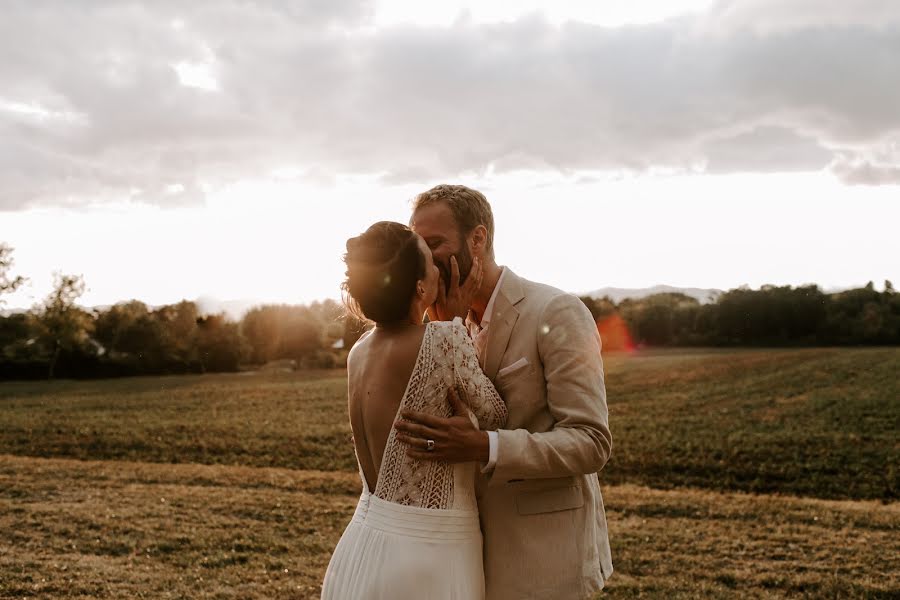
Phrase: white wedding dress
(417, 535)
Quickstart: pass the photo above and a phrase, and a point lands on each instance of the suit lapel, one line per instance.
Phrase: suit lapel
(503, 320)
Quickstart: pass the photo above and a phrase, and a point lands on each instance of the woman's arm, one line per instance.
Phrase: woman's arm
(473, 386)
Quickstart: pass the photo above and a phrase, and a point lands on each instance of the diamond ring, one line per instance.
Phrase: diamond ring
(429, 445)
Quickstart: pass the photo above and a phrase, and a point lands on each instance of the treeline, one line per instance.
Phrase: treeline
(770, 316)
(59, 339)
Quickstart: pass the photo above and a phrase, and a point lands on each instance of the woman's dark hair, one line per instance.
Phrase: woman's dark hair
(383, 266)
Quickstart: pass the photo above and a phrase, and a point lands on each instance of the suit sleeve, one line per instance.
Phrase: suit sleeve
(580, 441)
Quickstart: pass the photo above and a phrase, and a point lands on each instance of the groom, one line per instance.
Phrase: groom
(541, 510)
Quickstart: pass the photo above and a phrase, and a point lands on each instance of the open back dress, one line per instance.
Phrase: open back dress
(416, 536)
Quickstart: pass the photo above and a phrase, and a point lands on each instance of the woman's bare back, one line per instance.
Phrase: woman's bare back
(378, 369)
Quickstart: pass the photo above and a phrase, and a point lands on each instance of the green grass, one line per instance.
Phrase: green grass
(284, 420)
(819, 423)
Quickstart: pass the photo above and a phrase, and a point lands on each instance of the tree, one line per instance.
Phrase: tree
(285, 331)
(853, 317)
(302, 334)
(600, 308)
(134, 336)
(331, 316)
(114, 327)
(180, 327)
(219, 343)
(15, 334)
(262, 329)
(661, 319)
(63, 327)
(7, 285)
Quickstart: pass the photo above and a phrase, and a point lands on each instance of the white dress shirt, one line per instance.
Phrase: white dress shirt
(479, 333)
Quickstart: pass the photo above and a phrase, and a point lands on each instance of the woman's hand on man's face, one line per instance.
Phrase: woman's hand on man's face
(456, 301)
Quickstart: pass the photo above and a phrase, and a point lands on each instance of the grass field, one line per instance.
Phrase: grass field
(238, 486)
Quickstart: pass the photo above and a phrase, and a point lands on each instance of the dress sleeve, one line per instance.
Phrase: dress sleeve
(480, 394)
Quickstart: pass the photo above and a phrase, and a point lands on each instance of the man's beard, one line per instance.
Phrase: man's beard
(463, 261)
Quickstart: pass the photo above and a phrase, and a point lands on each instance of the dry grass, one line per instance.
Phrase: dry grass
(103, 529)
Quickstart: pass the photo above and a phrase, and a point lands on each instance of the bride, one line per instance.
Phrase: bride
(415, 532)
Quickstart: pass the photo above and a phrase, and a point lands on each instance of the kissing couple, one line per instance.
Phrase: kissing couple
(478, 433)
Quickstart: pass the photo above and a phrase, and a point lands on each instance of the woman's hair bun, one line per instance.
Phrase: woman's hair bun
(383, 266)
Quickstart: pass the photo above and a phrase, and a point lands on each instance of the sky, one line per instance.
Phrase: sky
(227, 149)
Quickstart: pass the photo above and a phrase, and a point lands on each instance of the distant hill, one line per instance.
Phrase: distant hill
(618, 294)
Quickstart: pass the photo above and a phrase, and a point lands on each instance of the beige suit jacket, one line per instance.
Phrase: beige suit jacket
(542, 514)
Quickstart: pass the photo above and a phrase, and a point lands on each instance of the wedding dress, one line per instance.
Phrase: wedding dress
(416, 536)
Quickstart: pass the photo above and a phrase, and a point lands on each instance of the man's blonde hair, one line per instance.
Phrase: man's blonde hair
(469, 207)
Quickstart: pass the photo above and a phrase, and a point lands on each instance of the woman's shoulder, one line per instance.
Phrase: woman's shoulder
(359, 347)
(361, 341)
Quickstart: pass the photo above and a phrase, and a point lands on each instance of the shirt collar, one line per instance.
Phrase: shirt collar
(489, 309)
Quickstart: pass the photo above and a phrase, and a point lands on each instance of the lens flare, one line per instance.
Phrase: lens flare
(614, 334)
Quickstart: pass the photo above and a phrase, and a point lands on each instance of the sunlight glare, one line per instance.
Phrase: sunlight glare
(196, 75)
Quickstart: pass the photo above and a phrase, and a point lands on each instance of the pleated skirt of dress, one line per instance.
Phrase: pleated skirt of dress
(393, 552)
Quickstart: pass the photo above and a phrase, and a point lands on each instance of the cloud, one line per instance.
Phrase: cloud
(767, 149)
(134, 100)
(878, 165)
(778, 16)
(866, 173)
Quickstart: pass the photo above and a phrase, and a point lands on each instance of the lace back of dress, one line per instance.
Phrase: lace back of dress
(447, 357)
(404, 480)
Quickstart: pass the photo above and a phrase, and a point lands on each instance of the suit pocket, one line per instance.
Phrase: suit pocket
(553, 500)
(516, 367)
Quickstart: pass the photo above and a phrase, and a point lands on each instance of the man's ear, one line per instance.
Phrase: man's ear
(478, 240)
